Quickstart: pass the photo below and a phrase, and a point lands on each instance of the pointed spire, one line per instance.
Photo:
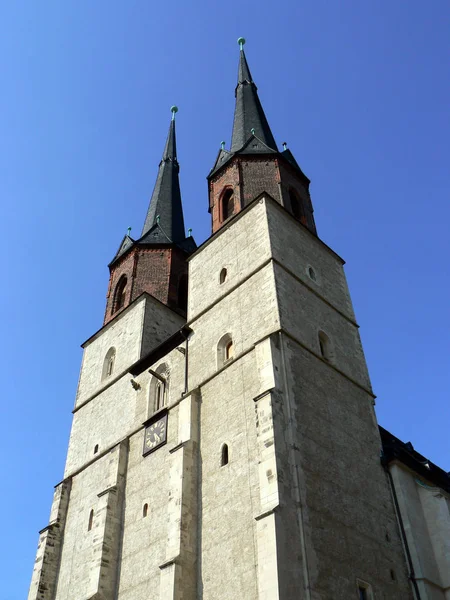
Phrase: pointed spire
(165, 212)
(249, 114)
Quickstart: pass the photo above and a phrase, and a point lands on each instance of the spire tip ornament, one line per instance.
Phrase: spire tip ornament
(173, 110)
(241, 42)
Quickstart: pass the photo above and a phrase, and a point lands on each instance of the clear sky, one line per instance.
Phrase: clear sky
(360, 90)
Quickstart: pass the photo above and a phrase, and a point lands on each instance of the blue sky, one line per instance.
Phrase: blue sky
(361, 93)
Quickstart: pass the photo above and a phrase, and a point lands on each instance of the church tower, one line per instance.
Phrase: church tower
(230, 451)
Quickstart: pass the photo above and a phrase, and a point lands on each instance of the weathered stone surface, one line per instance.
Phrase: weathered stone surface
(302, 507)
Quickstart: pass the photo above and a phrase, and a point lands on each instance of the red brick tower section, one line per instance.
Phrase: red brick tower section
(160, 271)
(245, 177)
(156, 262)
(254, 165)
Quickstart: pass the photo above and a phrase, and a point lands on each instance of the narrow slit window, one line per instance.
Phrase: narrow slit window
(145, 510)
(363, 593)
(91, 520)
(223, 276)
(159, 389)
(296, 205)
(96, 449)
(159, 395)
(229, 350)
(324, 345)
(224, 458)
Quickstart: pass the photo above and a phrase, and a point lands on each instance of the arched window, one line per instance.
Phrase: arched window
(120, 294)
(227, 204)
(96, 449)
(145, 511)
(225, 350)
(108, 363)
(91, 520)
(296, 205)
(183, 292)
(312, 273)
(223, 276)
(224, 456)
(159, 389)
(324, 345)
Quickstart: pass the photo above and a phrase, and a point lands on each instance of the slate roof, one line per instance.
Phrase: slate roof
(125, 244)
(249, 113)
(251, 130)
(395, 449)
(164, 221)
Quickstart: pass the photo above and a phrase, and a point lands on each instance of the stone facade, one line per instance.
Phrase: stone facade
(300, 508)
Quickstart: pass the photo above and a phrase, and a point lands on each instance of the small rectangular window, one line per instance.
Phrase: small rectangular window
(364, 590)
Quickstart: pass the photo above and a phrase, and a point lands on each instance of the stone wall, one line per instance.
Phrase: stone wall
(425, 511)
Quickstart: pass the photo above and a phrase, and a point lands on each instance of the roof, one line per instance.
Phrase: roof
(404, 452)
(165, 209)
(249, 116)
(251, 131)
(157, 353)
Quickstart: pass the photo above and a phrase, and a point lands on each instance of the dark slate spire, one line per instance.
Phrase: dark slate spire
(249, 117)
(165, 213)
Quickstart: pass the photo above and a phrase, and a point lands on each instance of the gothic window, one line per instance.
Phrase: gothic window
(145, 511)
(227, 204)
(324, 345)
(159, 389)
(224, 456)
(108, 363)
(120, 294)
(223, 276)
(183, 292)
(91, 520)
(225, 350)
(296, 205)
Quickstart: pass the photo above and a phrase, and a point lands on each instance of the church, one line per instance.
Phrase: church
(224, 442)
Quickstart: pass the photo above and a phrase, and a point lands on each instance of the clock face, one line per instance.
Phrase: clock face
(155, 434)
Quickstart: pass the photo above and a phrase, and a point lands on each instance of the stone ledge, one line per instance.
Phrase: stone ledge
(113, 489)
(177, 447)
(267, 513)
(169, 562)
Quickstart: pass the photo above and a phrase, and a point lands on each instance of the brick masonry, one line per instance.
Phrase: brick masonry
(249, 177)
(155, 270)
